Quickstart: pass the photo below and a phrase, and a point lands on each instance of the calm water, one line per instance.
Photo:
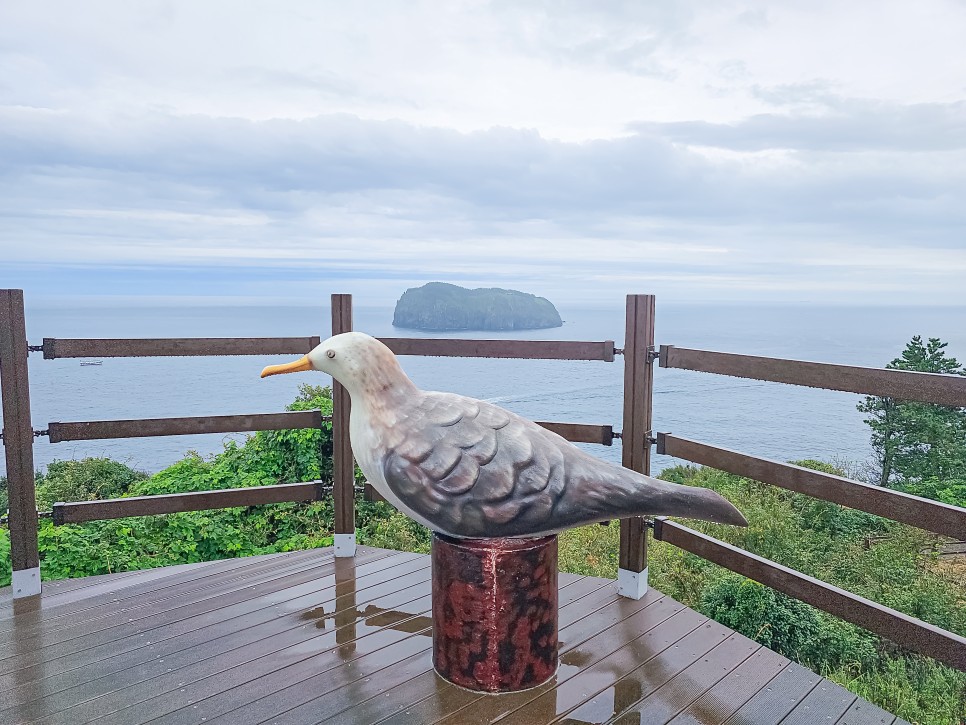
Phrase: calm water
(769, 419)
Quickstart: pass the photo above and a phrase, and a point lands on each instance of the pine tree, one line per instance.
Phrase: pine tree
(918, 441)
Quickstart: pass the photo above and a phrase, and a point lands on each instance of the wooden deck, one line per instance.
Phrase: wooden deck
(303, 638)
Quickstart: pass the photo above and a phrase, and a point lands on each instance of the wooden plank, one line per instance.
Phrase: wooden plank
(638, 392)
(686, 687)
(863, 712)
(657, 656)
(902, 384)
(58, 650)
(519, 349)
(18, 440)
(318, 702)
(134, 671)
(116, 508)
(55, 348)
(114, 692)
(902, 629)
(66, 599)
(826, 703)
(343, 464)
(128, 645)
(723, 699)
(776, 699)
(65, 686)
(283, 675)
(73, 633)
(194, 425)
(913, 510)
(581, 432)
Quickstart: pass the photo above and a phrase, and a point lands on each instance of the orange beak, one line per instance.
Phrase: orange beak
(300, 365)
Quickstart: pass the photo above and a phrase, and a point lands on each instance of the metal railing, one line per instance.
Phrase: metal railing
(930, 515)
(637, 437)
(18, 435)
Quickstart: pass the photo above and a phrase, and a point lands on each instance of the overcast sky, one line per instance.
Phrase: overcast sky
(796, 151)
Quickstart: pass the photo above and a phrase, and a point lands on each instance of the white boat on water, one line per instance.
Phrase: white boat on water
(91, 362)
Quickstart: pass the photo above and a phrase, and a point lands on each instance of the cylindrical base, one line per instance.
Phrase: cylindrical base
(495, 612)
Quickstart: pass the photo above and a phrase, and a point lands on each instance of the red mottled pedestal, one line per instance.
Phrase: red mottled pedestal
(495, 612)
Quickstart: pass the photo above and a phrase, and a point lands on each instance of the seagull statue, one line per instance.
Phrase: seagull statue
(470, 469)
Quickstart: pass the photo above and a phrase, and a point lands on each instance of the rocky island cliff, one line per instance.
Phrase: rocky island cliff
(438, 307)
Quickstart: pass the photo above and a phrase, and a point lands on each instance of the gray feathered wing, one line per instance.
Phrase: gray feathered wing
(476, 470)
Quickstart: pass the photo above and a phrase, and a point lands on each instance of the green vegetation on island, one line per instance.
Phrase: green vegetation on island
(439, 307)
(920, 446)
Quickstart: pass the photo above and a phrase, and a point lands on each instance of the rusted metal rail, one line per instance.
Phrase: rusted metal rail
(900, 628)
(639, 357)
(635, 436)
(148, 427)
(18, 439)
(930, 515)
(528, 349)
(343, 464)
(582, 432)
(55, 348)
(115, 508)
(902, 384)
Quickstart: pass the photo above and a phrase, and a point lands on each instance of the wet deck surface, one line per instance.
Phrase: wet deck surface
(303, 638)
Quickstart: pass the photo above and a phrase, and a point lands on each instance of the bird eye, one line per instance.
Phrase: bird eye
(330, 354)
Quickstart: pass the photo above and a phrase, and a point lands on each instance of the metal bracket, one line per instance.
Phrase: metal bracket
(618, 351)
(652, 354)
(649, 438)
(35, 348)
(615, 436)
(37, 433)
(5, 518)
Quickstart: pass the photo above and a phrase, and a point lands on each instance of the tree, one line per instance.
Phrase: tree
(84, 480)
(917, 441)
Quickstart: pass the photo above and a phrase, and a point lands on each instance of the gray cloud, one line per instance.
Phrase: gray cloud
(846, 125)
(697, 149)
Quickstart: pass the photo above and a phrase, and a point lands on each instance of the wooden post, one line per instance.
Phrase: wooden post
(343, 465)
(18, 439)
(638, 389)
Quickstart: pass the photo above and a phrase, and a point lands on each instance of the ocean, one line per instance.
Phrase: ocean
(769, 419)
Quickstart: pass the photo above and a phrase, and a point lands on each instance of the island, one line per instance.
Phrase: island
(440, 307)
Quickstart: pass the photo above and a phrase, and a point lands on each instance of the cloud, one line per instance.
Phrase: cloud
(705, 149)
(846, 125)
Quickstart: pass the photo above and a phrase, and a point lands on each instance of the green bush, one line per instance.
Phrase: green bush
(785, 625)
(85, 480)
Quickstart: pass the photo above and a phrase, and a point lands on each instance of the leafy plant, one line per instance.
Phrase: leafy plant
(84, 480)
(916, 441)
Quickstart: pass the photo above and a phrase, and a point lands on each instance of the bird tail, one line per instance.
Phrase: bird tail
(693, 502)
(634, 494)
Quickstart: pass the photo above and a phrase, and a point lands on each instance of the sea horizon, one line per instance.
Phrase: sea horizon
(779, 421)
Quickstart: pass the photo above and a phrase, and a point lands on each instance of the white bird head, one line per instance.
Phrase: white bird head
(360, 362)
